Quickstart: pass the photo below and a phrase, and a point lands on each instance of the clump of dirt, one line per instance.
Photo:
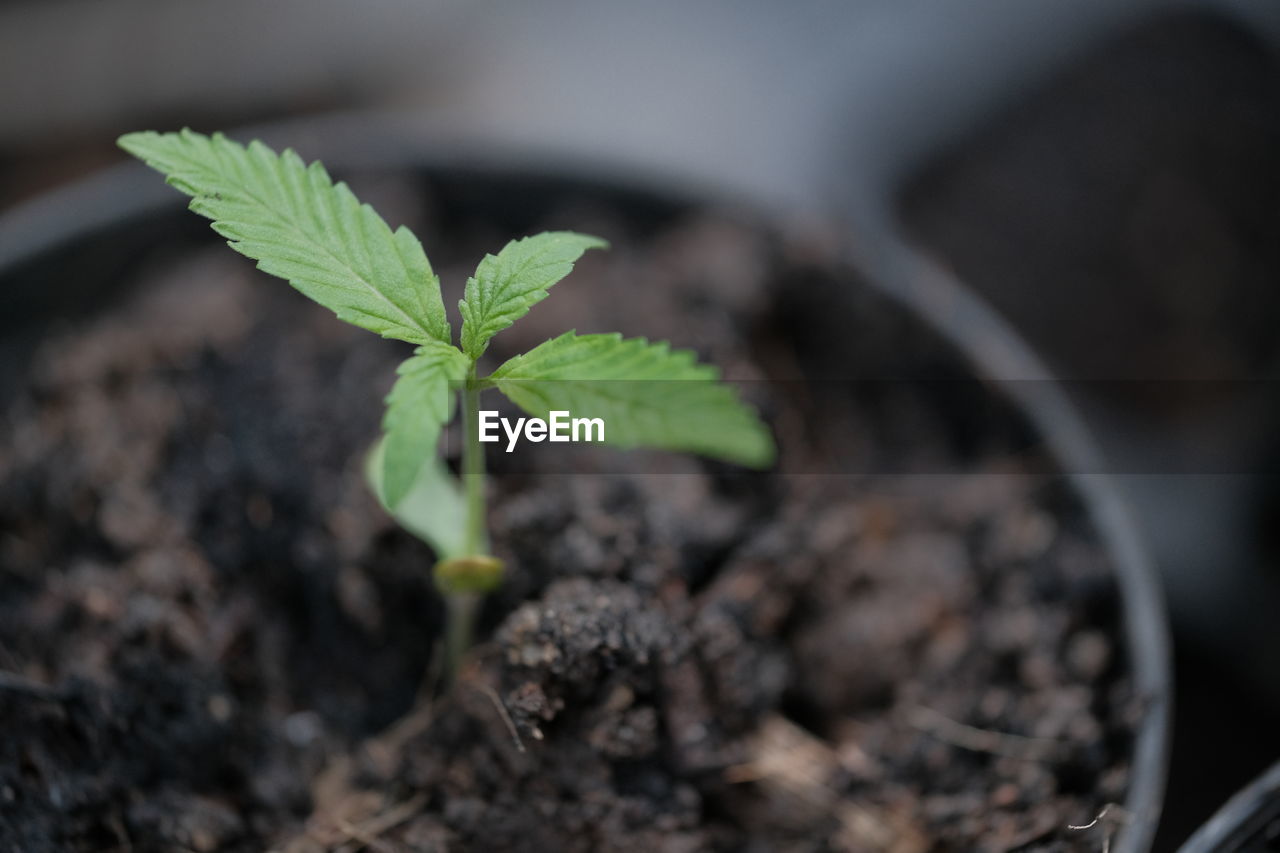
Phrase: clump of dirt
(213, 639)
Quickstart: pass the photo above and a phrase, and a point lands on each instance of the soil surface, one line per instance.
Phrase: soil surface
(212, 639)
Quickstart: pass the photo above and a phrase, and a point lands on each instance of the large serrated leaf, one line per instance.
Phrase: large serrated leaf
(299, 225)
(419, 405)
(508, 284)
(646, 393)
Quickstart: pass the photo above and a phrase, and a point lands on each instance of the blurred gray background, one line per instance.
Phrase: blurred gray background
(1105, 172)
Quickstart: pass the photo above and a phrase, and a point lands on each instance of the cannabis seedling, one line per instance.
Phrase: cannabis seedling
(299, 225)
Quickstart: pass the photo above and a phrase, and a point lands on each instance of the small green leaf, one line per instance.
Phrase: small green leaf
(508, 284)
(647, 394)
(299, 225)
(434, 510)
(419, 405)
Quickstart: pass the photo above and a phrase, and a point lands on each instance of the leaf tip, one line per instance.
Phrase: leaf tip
(133, 142)
(585, 241)
(764, 451)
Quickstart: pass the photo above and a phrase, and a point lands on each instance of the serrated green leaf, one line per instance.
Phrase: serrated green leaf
(419, 405)
(434, 509)
(299, 225)
(647, 394)
(508, 284)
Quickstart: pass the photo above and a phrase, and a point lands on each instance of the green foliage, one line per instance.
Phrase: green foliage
(419, 405)
(649, 395)
(299, 225)
(508, 284)
(434, 510)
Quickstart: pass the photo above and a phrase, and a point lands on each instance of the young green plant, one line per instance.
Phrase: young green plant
(301, 226)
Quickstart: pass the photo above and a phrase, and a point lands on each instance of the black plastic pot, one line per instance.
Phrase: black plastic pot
(44, 245)
(1248, 823)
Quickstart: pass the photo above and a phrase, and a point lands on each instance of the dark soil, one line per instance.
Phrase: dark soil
(211, 638)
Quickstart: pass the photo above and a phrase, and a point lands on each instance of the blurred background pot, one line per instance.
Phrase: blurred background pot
(1248, 823)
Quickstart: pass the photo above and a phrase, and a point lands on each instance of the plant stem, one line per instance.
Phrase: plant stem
(473, 467)
(461, 608)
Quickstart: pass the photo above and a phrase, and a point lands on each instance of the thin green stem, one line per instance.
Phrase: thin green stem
(459, 629)
(462, 606)
(465, 578)
(476, 541)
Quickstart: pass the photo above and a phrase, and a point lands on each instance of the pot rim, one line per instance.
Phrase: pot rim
(999, 355)
(1231, 823)
(880, 255)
